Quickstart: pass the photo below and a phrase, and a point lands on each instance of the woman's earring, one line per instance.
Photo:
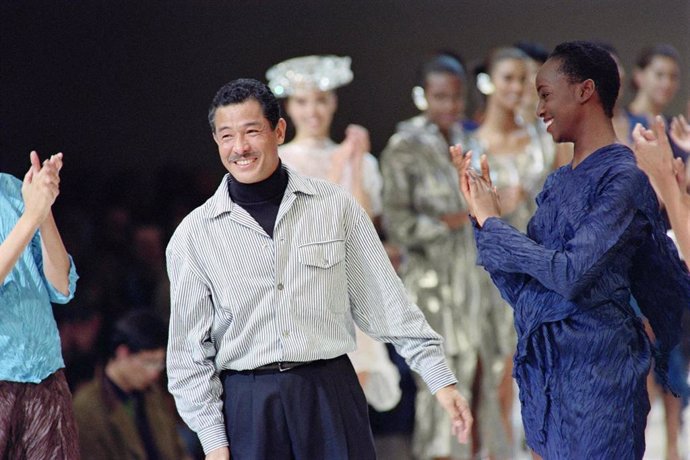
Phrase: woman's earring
(419, 98)
(484, 84)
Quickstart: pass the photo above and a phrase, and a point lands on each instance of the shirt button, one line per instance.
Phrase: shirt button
(286, 333)
(280, 286)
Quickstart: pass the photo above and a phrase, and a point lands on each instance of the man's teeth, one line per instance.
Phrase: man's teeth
(243, 162)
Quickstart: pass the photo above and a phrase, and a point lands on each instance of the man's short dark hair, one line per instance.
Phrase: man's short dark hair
(240, 90)
(138, 331)
(582, 60)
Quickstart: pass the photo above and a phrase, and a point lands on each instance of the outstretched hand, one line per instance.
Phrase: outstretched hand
(459, 411)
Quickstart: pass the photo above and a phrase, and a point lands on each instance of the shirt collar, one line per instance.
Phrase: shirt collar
(221, 202)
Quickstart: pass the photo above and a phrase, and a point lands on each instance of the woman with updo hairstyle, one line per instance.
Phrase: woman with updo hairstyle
(520, 156)
(427, 218)
(308, 84)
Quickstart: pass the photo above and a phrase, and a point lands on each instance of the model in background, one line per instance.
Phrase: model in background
(308, 83)
(656, 79)
(521, 156)
(425, 215)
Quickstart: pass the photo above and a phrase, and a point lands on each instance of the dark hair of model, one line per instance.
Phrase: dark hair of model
(582, 60)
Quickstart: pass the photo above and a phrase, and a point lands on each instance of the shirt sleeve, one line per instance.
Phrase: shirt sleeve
(193, 379)
(380, 306)
(382, 386)
(54, 295)
(569, 271)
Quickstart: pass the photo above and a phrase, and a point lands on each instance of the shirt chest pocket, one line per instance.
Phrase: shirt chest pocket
(322, 254)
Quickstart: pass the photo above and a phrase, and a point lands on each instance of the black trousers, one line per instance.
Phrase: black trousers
(316, 411)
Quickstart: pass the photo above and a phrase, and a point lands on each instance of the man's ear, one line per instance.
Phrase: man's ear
(281, 128)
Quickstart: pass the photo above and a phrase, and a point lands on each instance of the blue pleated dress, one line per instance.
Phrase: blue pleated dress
(583, 356)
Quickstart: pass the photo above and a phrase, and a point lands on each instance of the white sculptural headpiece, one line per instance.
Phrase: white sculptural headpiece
(323, 73)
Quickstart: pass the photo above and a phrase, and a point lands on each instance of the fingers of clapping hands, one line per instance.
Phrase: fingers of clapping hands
(48, 172)
(642, 136)
(41, 186)
(659, 128)
(462, 162)
(359, 136)
(680, 132)
(680, 173)
(486, 172)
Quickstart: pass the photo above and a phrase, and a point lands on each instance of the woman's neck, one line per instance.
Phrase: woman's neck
(592, 136)
(499, 119)
(643, 105)
(310, 140)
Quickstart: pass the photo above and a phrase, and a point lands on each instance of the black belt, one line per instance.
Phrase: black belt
(283, 366)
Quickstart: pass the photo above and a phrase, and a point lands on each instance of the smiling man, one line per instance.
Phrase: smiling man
(268, 279)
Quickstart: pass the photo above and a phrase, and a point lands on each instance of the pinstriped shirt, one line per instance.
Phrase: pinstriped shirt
(240, 299)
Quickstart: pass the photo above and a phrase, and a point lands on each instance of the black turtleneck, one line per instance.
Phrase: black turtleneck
(261, 199)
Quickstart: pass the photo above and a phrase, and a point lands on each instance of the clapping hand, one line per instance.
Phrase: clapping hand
(41, 186)
(680, 132)
(654, 156)
(352, 150)
(478, 190)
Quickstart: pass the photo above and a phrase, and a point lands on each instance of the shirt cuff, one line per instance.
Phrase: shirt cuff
(57, 296)
(213, 437)
(438, 376)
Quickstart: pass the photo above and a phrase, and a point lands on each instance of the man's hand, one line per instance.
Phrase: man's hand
(459, 412)
(41, 187)
(222, 453)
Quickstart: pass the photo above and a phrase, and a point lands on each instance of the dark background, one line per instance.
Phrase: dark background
(125, 85)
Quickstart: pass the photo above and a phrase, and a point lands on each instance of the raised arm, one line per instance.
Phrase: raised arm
(594, 243)
(56, 261)
(40, 188)
(654, 157)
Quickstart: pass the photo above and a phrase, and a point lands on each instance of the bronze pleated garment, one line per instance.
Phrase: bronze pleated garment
(36, 420)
